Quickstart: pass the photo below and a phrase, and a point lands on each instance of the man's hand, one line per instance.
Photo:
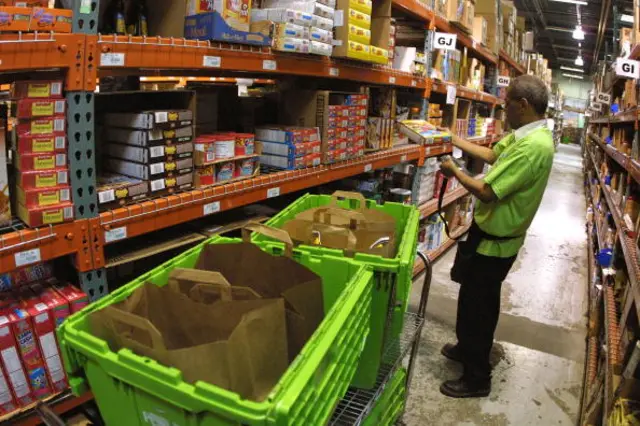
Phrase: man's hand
(448, 167)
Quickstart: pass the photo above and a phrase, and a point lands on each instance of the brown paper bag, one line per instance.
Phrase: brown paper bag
(361, 230)
(207, 286)
(246, 265)
(237, 345)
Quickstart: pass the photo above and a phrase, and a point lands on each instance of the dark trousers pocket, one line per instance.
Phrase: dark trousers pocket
(463, 264)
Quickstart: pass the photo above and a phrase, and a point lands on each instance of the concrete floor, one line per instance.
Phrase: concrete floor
(540, 346)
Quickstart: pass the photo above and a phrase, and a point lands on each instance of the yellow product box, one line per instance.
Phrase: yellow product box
(236, 13)
(353, 50)
(364, 6)
(358, 18)
(378, 55)
(358, 34)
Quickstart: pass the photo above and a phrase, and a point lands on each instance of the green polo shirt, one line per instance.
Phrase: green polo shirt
(518, 178)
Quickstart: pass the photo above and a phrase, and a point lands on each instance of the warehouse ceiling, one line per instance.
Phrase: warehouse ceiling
(554, 22)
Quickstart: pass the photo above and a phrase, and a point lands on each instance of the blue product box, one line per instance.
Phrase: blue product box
(211, 26)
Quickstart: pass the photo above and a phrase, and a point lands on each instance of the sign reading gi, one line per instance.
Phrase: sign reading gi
(627, 68)
(445, 41)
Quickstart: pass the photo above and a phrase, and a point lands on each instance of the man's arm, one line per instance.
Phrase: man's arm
(476, 187)
(480, 152)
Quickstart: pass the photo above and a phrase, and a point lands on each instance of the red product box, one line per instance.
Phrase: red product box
(14, 18)
(31, 144)
(49, 215)
(47, 161)
(342, 132)
(338, 111)
(312, 160)
(44, 327)
(335, 122)
(29, 3)
(22, 326)
(45, 19)
(58, 305)
(43, 197)
(31, 108)
(55, 126)
(11, 363)
(36, 89)
(311, 134)
(37, 272)
(43, 179)
(77, 298)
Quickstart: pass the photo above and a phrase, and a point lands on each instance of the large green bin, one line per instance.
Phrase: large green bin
(133, 390)
(390, 405)
(388, 306)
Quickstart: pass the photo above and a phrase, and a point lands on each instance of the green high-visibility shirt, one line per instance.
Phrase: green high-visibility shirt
(518, 178)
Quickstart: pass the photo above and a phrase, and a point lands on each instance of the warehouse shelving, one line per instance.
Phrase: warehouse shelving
(512, 63)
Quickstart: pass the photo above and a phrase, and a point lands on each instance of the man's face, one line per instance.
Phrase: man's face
(514, 110)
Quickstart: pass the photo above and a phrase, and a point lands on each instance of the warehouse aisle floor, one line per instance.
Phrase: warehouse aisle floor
(540, 346)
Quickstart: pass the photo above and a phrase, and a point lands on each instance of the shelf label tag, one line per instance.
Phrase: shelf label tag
(368, 168)
(273, 192)
(269, 65)
(451, 94)
(334, 72)
(112, 59)
(28, 257)
(403, 159)
(445, 41)
(85, 6)
(503, 81)
(116, 234)
(211, 208)
(627, 68)
(211, 61)
(413, 83)
(392, 80)
(604, 98)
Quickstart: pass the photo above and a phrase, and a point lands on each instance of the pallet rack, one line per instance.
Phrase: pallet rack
(84, 56)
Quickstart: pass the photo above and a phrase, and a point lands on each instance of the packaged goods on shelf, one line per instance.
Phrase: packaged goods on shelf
(11, 362)
(52, 125)
(57, 20)
(41, 144)
(149, 154)
(76, 298)
(480, 29)
(288, 30)
(318, 48)
(235, 14)
(32, 108)
(26, 162)
(150, 170)
(432, 234)
(153, 137)
(461, 12)
(43, 197)
(168, 119)
(291, 45)
(212, 26)
(116, 190)
(43, 179)
(379, 133)
(27, 275)
(293, 163)
(48, 215)
(171, 184)
(283, 15)
(427, 180)
(36, 89)
(424, 133)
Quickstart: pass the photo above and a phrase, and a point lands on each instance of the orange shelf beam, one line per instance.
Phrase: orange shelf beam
(466, 93)
(153, 56)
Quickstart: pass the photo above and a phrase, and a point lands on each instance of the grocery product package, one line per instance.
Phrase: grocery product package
(361, 230)
(246, 265)
(239, 345)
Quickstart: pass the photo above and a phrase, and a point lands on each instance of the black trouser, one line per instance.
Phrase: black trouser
(478, 312)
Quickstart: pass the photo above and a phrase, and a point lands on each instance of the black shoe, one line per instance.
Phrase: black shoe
(465, 389)
(452, 352)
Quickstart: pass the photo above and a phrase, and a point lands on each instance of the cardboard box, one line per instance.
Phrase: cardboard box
(212, 26)
(235, 14)
(49, 215)
(77, 298)
(147, 138)
(30, 108)
(149, 154)
(43, 179)
(13, 19)
(148, 120)
(43, 197)
(44, 328)
(171, 185)
(55, 126)
(353, 50)
(116, 190)
(36, 89)
(296, 45)
(45, 19)
(468, 15)
(149, 171)
(27, 162)
(11, 360)
(32, 144)
(480, 29)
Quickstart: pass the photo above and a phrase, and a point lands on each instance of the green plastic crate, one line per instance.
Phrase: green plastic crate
(133, 390)
(391, 403)
(389, 273)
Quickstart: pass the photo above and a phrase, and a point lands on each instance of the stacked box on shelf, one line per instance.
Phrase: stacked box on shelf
(427, 180)
(40, 143)
(153, 148)
(381, 120)
(490, 11)
(461, 13)
(299, 26)
(363, 30)
(34, 16)
(289, 147)
(392, 41)
(224, 157)
(446, 65)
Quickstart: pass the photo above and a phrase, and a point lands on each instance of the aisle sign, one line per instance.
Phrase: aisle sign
(604, 98)
(451, 94)
(503, 81)
(627, 68)
(445, 41)
(596, 106)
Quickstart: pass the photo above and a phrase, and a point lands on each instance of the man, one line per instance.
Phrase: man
(508, 199)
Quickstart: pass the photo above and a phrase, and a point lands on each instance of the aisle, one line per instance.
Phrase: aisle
(540, 346)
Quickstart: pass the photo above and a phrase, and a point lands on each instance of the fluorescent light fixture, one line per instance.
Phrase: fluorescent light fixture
(579, 62)
(571, 69)
(626, 18)
(579, 77)
(578, 34)
(580, 2)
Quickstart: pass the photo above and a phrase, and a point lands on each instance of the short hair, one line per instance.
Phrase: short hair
(532, 89)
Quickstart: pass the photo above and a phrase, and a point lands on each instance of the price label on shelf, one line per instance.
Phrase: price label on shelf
(115, 234)
(211, 61)
(414, 83)
(211, 208)
(403, 158)
(334, 72)
(392, 80)
(445, 41)
(27, 257)
(112, 59)
(273, 192)
(451, 94)
(269, 65)
(368, 168)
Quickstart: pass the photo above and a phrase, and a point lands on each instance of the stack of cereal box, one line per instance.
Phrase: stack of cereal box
(300, 25)
(347, 129)
(289, 147)
(353, 31)
(30, 363)
(222, 157)
(34, 15)
(153, 149)
(40, 142)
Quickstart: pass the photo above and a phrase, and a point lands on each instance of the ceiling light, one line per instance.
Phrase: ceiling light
(571, 69)
(578, 34)
(579, 77)
(579, 62)
(584, 3)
